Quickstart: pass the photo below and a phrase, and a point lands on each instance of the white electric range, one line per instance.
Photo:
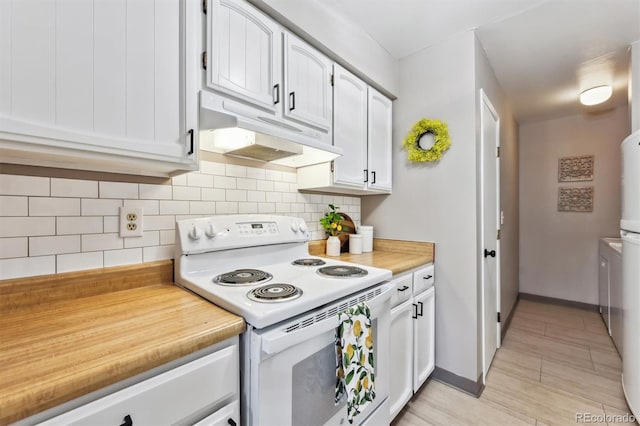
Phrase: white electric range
(259, 267)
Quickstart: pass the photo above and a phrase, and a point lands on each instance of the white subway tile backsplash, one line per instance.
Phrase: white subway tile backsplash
(14, 247)
(155, 192)
(27, 226)
(27, 267)
(150, 254)
(213, 194)
(154, 223)
(24, 185)
(118, 190)
(79, 261)
(74, 188)
(122, 257)
(91, 207)
(225, 182)
(226, 207)
(70, 225)
(236, 195)
(14, 206)
(201, 180)
(148, 206)
(174, 207)
(99, 242)
(81, 230)
(236, 171)
(186, 193)
(149, 238)
(41, 206)
(41, 246)
(202, 207)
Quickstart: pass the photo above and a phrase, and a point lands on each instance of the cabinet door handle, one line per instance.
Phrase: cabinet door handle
(366, 175)
(415, 311)
(292, 101)
(128, 421)
(276, 94)
(374, 177)
(428, 277)
(404, 288)
(421, 308)
(190, 142)
(231, 422)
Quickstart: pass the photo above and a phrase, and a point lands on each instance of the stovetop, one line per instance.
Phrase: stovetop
(200, 270)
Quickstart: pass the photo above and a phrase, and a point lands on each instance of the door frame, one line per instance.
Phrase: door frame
(485, 101)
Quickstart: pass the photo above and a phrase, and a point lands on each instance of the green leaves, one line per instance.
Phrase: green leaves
(331, 222)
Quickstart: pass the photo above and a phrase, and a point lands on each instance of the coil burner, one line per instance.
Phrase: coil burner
(341, 271)
(243, 277)
(274, 293)
(309, 262)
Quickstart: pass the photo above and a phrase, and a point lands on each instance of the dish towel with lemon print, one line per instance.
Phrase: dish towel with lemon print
(355, 373)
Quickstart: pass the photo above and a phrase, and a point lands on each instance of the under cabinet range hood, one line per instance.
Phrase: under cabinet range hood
(232, 128)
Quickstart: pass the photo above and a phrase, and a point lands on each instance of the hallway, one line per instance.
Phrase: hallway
(556, 363)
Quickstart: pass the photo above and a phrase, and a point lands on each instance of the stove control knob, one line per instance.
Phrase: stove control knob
(303, 227)
(294, 227)
(195, 233)
(211, 231)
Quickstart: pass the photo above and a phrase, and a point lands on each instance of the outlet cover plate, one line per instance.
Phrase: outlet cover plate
(130, 221)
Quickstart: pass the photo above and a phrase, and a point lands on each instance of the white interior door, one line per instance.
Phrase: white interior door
(490, 223)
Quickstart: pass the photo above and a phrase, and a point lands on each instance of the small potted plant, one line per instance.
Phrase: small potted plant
(332, 224)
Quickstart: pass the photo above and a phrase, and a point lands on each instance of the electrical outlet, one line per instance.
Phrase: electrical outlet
(130, 221)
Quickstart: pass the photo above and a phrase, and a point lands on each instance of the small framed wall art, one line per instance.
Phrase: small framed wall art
(575, 199)
(575, 169)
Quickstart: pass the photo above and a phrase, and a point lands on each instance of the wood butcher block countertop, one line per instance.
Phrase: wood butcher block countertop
(66, 335)
(396, 255)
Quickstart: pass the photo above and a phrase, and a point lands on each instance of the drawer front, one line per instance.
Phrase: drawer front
(402, 289)
(227, 415)
(178, 396)
(423, 279)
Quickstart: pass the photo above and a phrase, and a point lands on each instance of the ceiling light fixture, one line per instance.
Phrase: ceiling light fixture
(596, 95)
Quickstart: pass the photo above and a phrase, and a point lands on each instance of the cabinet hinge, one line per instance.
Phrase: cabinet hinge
(331, 80)
(332, 167)
(498, 235)
(498, 154)
(204, 60)
(498, 316)
(204, 6)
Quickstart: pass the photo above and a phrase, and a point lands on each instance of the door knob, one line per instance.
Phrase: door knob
(491, 253)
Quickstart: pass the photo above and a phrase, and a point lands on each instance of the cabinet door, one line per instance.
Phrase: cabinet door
(379, 130)
(308, 94)
(401, 357)
(105, 77)
(616, 299)
(349, 128)
(244, 53)
(423, 337)
(603, 284)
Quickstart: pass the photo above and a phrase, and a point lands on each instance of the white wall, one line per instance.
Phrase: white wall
(345, 41)
(51, 224)
(634, 87)
(437, 202)
(559, 251)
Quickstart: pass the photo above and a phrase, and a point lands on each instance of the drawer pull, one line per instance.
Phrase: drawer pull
(128, 421)
(231, 422)
(428, 277)
(404, 288)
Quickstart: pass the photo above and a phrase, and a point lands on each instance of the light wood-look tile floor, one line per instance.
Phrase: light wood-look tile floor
(554, 362)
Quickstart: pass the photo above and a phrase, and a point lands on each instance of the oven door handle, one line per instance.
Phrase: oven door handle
(277, 340)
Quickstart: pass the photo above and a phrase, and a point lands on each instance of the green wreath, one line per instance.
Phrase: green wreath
(440, 134)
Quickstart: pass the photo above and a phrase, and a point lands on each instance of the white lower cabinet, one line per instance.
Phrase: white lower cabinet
(412, 335)
(204, 392)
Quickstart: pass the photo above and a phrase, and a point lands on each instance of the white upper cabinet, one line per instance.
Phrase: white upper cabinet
(349, 128)
(104, 85)
(244, 53)
(379, 130)
(308, 94)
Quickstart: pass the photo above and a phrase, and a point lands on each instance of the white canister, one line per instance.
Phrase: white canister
(367, 238)
(355, 244)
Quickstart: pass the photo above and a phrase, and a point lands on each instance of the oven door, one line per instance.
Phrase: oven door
(293, 366)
